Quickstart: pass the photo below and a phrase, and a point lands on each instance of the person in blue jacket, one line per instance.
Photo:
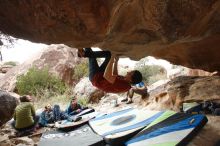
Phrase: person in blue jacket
(74, 107)
(51, 115)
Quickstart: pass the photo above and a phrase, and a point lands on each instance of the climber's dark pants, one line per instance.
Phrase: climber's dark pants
(93, 64)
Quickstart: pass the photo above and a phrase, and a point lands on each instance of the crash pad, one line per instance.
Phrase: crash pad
(82, 136)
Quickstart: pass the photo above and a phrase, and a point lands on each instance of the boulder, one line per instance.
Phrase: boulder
(86, 90)
(184, 89)
(8, 104)
(5, 68)
(199, 72)
(59, 59)
(1, 75)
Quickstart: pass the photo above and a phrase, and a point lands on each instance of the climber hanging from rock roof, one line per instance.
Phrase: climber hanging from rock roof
(105, 76)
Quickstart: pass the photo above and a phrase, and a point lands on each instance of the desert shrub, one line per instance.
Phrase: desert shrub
(80, 70)
(62, 100)
(12, 63)
(151, 73)
(155, 78)
(40, 82)
(83, 101)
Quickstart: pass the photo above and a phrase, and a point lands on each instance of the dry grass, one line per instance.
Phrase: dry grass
(61, 100)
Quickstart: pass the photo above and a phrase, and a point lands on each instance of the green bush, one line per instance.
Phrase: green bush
(81, 70)
(83, 101)
(10, 63)
(40, 82)
(151, 73)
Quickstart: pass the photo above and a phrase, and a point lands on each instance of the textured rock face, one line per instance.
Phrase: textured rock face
(59, 59)
(172, 94)
(198, 72)
(2, 75)
(5, 68)
(7, 105)
(185, 32)
(85, 89)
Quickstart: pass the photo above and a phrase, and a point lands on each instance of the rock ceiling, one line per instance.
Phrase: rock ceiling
(184, 32)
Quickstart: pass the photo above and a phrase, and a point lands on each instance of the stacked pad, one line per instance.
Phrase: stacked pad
(67, 125)
(119, 126)
(170, 129)
(85, 111)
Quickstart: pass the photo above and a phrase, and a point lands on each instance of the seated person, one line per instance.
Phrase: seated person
(51, 115)
(24, 116)
(74, 107)
(139, 88)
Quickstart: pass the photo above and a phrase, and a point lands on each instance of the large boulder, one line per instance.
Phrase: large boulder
(8, 104)
(184, 89)
(59, 59)
(85, 89)
(185, 32)
(5, 68)
(1, 75)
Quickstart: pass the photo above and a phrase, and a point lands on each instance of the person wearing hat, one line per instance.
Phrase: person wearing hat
(74, 107)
